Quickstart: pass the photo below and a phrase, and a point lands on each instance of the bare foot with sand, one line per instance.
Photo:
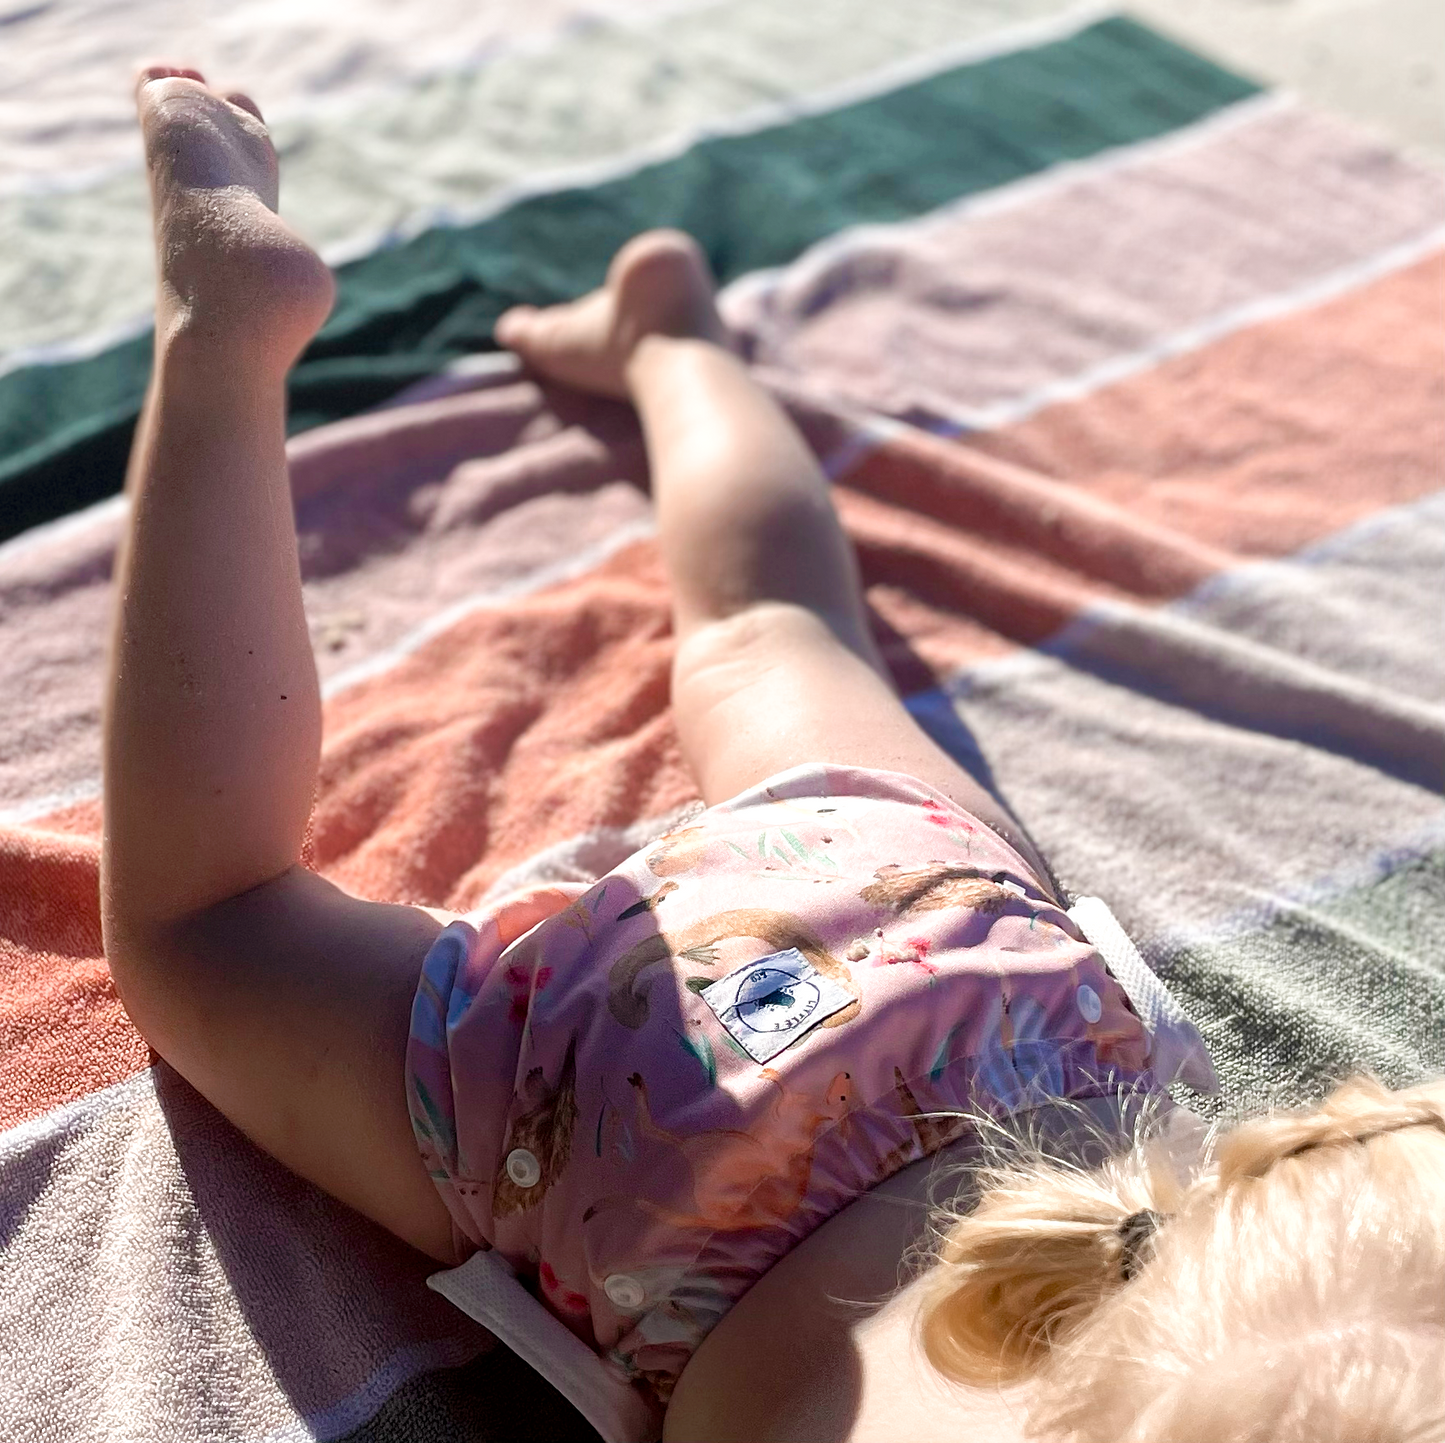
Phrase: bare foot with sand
(231, 273)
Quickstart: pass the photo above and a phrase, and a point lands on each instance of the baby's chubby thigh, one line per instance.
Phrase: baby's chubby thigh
(775, 685)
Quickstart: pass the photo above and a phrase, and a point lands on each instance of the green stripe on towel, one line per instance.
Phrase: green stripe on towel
(1323, 989)
(752, 200)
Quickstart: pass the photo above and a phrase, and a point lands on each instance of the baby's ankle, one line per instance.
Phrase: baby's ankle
(663, 287)
(659, 351)
(261, 294)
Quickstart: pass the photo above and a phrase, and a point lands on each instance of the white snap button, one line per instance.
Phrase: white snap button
(1089, 1004)
(624, 1292)
(523, 1168)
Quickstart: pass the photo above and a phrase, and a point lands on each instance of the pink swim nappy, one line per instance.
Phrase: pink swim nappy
(644, 1092)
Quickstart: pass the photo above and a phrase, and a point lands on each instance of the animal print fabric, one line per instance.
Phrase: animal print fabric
(585, 1110)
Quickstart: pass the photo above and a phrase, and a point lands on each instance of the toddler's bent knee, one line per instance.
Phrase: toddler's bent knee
(763, 634)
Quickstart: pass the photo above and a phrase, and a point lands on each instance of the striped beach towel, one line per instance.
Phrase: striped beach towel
(1129, 376)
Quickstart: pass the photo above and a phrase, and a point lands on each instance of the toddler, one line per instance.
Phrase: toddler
(690, 1115)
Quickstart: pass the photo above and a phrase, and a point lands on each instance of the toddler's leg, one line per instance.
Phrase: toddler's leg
(775, 664)
(281, 999)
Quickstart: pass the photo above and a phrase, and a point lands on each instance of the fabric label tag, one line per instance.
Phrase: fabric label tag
(769, 1004)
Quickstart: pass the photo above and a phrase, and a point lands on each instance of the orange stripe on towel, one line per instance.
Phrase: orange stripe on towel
(1276, 436)
(1261, 444)
(63, 1032)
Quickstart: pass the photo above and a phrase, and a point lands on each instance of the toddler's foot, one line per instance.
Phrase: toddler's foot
(231, 272)
(657, 285)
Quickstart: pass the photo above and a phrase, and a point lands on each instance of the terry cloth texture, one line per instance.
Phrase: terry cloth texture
(1133, 395)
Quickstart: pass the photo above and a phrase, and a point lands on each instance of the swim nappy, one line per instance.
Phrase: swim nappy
(643, 1092)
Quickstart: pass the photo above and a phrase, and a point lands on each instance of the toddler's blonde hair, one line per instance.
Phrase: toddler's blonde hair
(1294, 1293)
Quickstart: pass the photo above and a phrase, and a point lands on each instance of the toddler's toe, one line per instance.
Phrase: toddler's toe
(513, 326)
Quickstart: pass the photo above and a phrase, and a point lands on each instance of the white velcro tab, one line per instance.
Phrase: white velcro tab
(1177, 1049)
(486, 1289)
(769, 1004)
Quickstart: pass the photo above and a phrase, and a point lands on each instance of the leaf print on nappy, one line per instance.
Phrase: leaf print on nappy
(543, 1134)
(835, 815)
(700, 1049)
(784, 847)
(936, 886)
(627, 987)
